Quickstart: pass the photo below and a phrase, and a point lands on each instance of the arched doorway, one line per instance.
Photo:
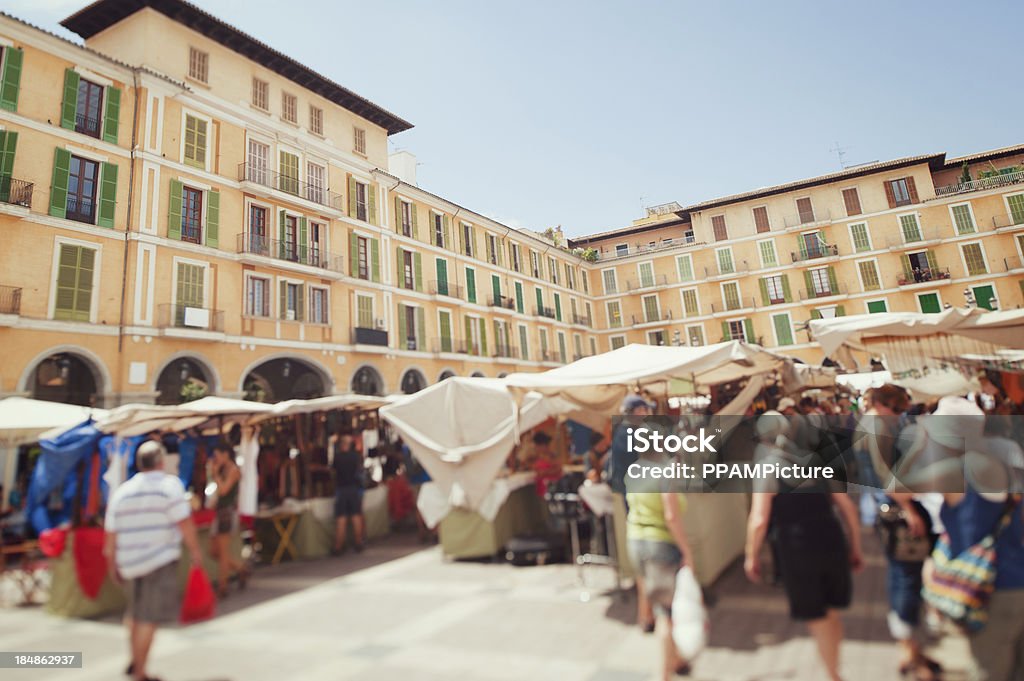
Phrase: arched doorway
(477, 374)
(413, 381)
(367, 381)
(281, 379)
(183, 380)
(503, 374)
(445, 375)
(65, 377)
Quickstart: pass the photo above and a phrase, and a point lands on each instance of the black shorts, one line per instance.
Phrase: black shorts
(815, 581)
(348, 501)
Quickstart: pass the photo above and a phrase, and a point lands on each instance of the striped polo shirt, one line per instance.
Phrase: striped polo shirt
(144, 513)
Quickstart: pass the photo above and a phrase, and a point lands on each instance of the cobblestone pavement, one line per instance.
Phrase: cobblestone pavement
(401, 612)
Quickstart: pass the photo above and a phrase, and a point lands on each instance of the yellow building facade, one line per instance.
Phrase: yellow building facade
(184, 211)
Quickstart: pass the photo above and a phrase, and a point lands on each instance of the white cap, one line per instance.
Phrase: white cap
(786, 403)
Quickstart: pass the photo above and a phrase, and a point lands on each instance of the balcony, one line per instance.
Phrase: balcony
(741, 303)
(445, 288)
(264, 177)
(88, 125)
(716, 273)
(290, 252)
(503, 302)
(10, 300)
(923, 237)
(582, 320)
(453, 345)
(807, 220)
(174, 316)
(825, 292)
(924, 275)
(548, 312)
(664, 316)
(366, 336)
(981, 184)
(411, 343)
(816, 253)
(15, 192)
(506, 352)
(1013, 264)
(687, 239)
(1008, 223)
(639, 284)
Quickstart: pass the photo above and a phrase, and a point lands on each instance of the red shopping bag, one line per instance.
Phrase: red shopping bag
(199, 603)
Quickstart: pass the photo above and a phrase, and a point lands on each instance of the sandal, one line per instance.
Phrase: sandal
(243, 578)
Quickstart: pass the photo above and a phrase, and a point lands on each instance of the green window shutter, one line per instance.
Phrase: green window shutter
(174, 211)
(282, 218)
(444, 329)
(447, 231)
(108, 195)
(67, 282)
(809, 281)
(483, 337)
(398, 215)
(8, 145)
(213, 218)
(540, 299)
(69, 108)
(375, 260)
(802, 242)
(876, 306)
(351, 196)
(908, 269)
(764, 290)
(112, 115)
(558, 307)
(1016, 203)
(840, 310)
(815, 314)
(487, 246)
(501, 252)
(496, 287)
(303, 239)
(10, 81)
(353, 254)
(59, 183)
(725, 331)
(786, 293)
(470, 285)
(933, 264)
(783, 330)
(441, 267)
(833, 283)
(415, 221)
(300, 302)
(282, 308)
(421, 327)
(371, 204)
(399, 268)
(417, 269)
(403, 331)
(519, 298)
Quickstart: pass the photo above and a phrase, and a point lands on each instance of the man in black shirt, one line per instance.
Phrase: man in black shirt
(347, 464)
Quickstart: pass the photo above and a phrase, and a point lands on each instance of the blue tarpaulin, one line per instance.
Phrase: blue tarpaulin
(55, 472)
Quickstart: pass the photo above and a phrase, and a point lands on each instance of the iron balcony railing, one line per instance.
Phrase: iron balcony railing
(663, 316)
(687, 239)
(1004, 221)
(732, 305)
(648, 282)
(449, 345)
(80, 208)
(815, 252)
(88, 125)
(445, 288)
(411, 343)
(981, 183)
(807, 219)
(502, 301)
(582, 320)
(10, 300)
(173, 315)
(902, 239)
(366, 336)
(15, 192)
(291, 252)
(824, 292)
(742, 267)
(265, 177)
(922, 275)
(1013, 263)
(548, 312)
(506, 351)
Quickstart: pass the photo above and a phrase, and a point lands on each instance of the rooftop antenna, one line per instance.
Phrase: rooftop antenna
(642, 209)
(841, 153)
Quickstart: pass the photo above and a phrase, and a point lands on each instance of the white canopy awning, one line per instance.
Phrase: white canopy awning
(24, 420)
(139, 419)
(331, 402)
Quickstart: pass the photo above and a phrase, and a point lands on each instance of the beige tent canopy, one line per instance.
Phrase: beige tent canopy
(24, 420)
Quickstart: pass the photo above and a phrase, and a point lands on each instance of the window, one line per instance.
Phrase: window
(257, 297)
(621, 250)
(520, 299)
(570, 277)
(646, 272)
(290, 239)
(974, 259)
(577, 345)
(963, 219)
(767, 252)
(543, 334)
(288, 107)
(444, 327)
(535, 264)
(190, 292)
(1016, 205)
(731, 295)
(260, 94)
(910, 228)
(593, 346)
(291, 301)
(364, 311)
(315, 243)
(820, 284)
(191, 215)
(929, 303)
(492, 249)
(470, 285)
(315, 174)
(561, 347)
(198, 65)
(558, 306)
(441, 269)
(877, 306)
(783, 329)
(362, 191)
(688, 235)
(616, 342)
(359, 141)
(830, 312)
(652, 312)
(869, 275)
(406, 217)
(614, 314)
(736, 330)
(684, 266)
(695, 335)
(610, 284)
(407, 272)
(89, 109)
(362, 257)
(851, 199)
(901, 192)
(516, 262)
(288, 173)
(718, 226)
(195, 142)
(590, 314)
(725, 263)
(83, 181)
(761, 223)
(553, 270)
(316, 120)
(805, 210)
(317, 305)
(524, 346)
(691, 308)
(258, 230)
(438, 226)
(859, 237)
(467, 239)
(774, 290)
(73, 297)
(656, 337)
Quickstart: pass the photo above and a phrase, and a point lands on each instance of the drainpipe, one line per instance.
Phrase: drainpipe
(127, 232)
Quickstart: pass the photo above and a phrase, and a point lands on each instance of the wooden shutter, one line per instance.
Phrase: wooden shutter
(519, 298)
(786, 294)
(748, 330)
(353, 254)
(832, 281)
(890, 196)
(805, 210)
(112, 115)
(908, 269)
(415, 221)
(69, 107)
(174, 211)
(371, 204)
(282, 218)
(59, 183)
(417, 269)
(8, 145)
(300, 302)
(351, 196)
(403, 331)
(446, 221)
(912, 190)
(398, 215)
(496, 288)
(108, 195)
(374, 259)
(764, 291)
(558, 307)
(483, 337)
(10, 80)
(761, 219)
(840, 311)
(933, 263)
(67, 279)
(809, 282)
(852, 200)
(282, 306)
(540, 300)
(719, 228)
(303, 240)
(213, 218)
(421, 327)
(399, 267)
(470, 285)
(469, 335)
(726, 335)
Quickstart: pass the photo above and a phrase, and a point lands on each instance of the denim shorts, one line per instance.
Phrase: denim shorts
(348, 501)
(657, 562)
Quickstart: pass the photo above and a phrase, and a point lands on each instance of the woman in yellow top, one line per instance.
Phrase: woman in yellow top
(658, 547)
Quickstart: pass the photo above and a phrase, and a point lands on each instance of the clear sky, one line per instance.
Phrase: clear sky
(580, 113)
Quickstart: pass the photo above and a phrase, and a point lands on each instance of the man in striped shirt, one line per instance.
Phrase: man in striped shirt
(147, 519)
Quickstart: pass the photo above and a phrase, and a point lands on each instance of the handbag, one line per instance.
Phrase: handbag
(960, 586)
(689, 617)
(897, 541)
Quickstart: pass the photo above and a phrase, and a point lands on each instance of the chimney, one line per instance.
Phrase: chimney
(402, 165)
